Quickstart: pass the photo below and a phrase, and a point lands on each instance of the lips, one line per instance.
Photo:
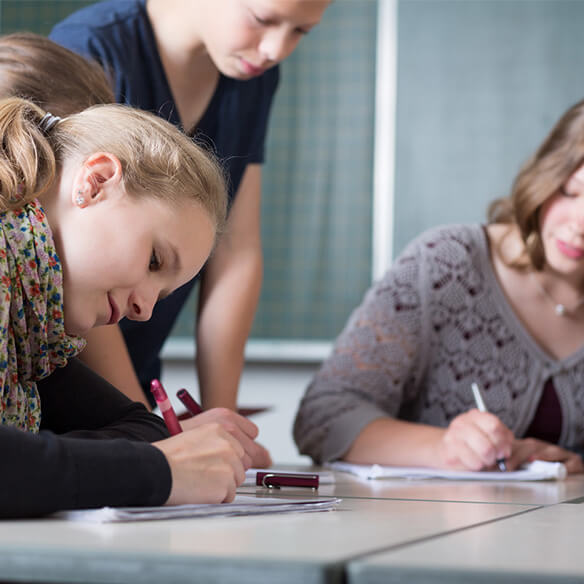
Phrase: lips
(250, 69)
(569, 251)
(115, 312)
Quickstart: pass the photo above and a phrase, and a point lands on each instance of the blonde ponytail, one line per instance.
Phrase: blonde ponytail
(27, 160)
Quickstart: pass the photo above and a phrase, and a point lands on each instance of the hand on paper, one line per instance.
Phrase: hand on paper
(244, 430)
(206, 464)
(474, 441)
(530, 449)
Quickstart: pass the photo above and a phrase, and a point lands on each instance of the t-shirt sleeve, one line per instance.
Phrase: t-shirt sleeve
(107, 47)
(373, 367)
(78, 38)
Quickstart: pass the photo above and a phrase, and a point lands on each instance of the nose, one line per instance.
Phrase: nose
(578, 217)
(580, 212)
(141, 303)
(277, 44)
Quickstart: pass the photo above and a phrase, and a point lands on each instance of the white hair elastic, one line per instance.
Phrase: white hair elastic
(48, 122)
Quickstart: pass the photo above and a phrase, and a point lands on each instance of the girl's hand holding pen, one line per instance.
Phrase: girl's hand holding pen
(475, 440)
(206, 464)
(241, 428)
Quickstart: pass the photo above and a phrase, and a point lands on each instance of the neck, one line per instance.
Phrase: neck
(568, 288)
(175, 36)
(51, 204)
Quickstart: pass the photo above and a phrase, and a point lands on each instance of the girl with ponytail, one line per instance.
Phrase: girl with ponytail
(102, 213)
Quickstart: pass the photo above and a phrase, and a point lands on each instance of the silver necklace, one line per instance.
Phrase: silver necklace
(559, 308)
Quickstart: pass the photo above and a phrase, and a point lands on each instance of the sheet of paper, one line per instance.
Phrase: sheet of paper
(242, 505)
(324, 477)
(537, 470)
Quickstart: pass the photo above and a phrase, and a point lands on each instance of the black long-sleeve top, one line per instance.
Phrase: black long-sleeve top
(93, 450)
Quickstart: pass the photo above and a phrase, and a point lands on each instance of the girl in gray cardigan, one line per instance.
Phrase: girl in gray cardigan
(501, 305)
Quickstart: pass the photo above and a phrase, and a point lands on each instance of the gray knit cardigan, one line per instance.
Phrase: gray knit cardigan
(437, 321)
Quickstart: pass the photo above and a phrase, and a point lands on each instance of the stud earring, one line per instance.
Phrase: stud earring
(80, 199)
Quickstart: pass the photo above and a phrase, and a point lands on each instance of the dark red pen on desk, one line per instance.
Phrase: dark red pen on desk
(165, 406)
(275, 480)
(187, 399)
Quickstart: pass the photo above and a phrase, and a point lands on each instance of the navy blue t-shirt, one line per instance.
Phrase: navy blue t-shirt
(119, 35)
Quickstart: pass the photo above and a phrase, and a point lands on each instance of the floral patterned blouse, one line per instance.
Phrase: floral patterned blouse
(32, 332)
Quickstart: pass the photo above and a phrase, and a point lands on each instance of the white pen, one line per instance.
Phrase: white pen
(481, 407)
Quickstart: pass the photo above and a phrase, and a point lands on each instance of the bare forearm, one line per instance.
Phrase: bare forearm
(229, 295)
(224, 323)
(106, 353)
(395, 442)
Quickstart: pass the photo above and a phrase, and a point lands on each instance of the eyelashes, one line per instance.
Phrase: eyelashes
(155, 262)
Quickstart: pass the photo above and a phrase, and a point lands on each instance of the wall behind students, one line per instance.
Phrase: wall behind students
(479, 82)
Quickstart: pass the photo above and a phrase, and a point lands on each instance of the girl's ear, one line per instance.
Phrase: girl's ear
(95, 179)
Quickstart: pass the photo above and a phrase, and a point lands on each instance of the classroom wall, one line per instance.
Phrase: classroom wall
(479, 85)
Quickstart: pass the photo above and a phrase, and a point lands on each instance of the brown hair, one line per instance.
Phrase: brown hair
(157, 159)
(58, 80)
(540, 178)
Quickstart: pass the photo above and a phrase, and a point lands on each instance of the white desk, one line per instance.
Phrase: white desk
(524, 493)
(293, 548)
(541, 546)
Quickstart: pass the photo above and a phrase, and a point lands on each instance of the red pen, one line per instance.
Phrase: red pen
(187, 399)
(165, 406)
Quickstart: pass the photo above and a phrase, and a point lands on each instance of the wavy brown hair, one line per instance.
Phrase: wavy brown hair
(548, 169)
(58, 80)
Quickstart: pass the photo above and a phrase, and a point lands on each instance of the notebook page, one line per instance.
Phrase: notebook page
(242, 505)
(537, 470)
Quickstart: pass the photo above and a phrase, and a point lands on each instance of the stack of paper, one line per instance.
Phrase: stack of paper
(242, 505)
(537, 470)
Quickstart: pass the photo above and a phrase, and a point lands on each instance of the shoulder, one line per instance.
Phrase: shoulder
(101, 20)
(455, 242)
(446, 253)
(103, 14)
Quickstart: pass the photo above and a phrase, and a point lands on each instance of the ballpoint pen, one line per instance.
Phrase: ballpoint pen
(483, 408)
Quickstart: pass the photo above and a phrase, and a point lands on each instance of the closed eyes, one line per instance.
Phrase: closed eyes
(155, 262)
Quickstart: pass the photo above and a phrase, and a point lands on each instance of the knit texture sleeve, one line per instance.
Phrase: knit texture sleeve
(374, 365)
